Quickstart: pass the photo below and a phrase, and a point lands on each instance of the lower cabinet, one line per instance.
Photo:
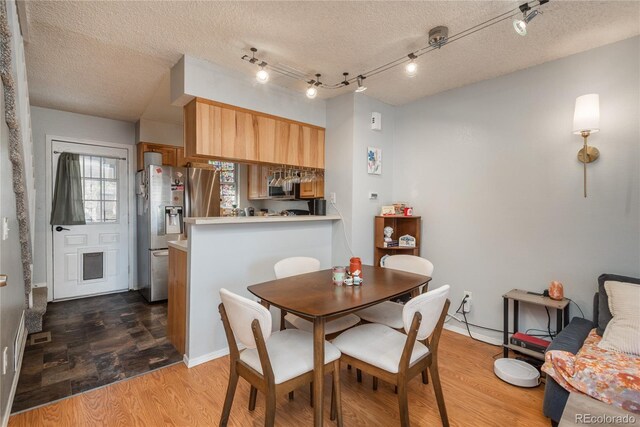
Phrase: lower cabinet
(177, 299)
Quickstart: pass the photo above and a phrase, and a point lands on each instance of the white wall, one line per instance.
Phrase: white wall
(348, 135)
(12, 297)
(338, 172)
(364, 210)
(159, 132)
(492, 169)
(45, 122)
(194, 77)
(234, 256)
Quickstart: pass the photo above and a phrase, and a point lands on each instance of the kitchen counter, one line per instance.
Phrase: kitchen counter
(258, 219)
(180, 245)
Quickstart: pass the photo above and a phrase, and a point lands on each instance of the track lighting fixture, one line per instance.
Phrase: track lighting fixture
(262, 76)
(520, 25)
(438, 38)
(411, 68)
(361, 88)
(312, 90)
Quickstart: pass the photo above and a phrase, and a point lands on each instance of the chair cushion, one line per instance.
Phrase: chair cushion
(386, 313)
(290, 353)
(377, 345)
(330, 327)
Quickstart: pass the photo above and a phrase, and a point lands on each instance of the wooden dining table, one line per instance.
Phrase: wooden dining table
(313, 296)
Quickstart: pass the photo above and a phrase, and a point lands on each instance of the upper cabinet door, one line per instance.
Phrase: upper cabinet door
(246, 143)
(288, 143)
(266, 139)
(217, 131)
(312, 147)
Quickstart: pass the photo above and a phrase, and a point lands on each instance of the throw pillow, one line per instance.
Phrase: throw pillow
(623, 331)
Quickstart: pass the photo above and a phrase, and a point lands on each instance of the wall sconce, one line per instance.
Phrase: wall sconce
(586, 120)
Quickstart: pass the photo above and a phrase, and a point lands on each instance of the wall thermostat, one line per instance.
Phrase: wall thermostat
(376, 121)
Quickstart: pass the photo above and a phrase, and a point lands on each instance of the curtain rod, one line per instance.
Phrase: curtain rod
(92, 155)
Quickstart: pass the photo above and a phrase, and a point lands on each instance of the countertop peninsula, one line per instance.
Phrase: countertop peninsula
(258, 219)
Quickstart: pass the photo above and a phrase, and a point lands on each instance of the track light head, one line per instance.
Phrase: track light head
(262, 76)
(411, 68)
(520, 25)
(312, 91)
(361, 88)
(345, 82)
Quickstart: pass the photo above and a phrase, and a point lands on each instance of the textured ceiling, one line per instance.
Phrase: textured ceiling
(109, 58)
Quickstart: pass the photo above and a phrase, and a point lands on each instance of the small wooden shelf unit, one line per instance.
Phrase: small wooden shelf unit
(401, 225)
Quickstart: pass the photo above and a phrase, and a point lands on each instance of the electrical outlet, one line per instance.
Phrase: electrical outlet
(332, 198)
(466, 307)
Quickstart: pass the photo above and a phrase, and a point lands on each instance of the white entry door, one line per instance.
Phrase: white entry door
(93, 258)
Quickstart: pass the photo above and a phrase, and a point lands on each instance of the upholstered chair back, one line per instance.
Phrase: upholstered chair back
(410, 264)
(241, 312)
(295, 265)
(430, 306)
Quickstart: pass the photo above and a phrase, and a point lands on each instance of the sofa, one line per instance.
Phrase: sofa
(572, 338)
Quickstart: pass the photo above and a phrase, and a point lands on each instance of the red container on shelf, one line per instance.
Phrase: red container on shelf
(355, 266)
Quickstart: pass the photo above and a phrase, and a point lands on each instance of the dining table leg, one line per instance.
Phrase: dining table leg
(318, 370)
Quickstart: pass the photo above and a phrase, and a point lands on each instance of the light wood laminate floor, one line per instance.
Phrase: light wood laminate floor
(191, 397)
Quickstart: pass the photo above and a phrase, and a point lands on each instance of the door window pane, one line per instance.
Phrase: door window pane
(100, 188)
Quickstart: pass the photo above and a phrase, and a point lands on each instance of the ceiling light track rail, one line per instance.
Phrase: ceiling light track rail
(438, 38)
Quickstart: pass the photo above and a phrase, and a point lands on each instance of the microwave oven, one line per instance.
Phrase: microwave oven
(278, 192)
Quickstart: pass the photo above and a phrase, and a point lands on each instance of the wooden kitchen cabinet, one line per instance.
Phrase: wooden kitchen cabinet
(258, 188)
(312, 190)
(219, 131)
(177, 299)
(169, 153)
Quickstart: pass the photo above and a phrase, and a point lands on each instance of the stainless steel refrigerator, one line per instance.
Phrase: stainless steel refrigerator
(165, 195)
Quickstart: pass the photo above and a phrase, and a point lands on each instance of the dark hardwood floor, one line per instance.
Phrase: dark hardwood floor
(94, 342)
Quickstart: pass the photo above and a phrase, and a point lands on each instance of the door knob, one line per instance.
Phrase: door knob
(58, 228)
(3, 280)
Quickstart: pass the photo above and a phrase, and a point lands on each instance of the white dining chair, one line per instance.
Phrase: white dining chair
(274, 363)
(396, 357)
(300, 265)
(389, 313)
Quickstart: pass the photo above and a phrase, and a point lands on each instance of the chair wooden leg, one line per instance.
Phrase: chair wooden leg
(425, 377)
(270, 412)
(282, 324)
(359, 375)
(311, 394)
(403, 404)
(228, 400)
(437, 388)
(290, 395)
(375, 383)
(252, 398)
(337, 393)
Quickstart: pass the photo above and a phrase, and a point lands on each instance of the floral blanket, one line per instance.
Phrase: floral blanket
(609, 376)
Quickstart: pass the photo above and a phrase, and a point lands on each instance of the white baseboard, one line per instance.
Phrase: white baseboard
(209, 356)
(463, 331)
(14, 384)
(205, 357)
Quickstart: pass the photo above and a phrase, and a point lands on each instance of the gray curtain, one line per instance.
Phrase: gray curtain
(68, 208)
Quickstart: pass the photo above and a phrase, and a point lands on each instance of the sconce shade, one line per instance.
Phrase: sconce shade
(586, 117)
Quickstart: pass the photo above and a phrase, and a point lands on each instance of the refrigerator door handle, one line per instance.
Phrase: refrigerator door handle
(160, 253)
